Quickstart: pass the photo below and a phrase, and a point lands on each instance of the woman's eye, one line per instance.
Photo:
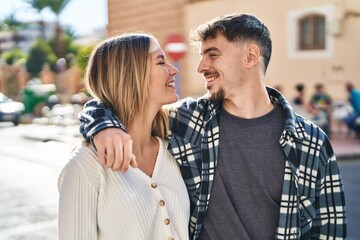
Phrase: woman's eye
(162, 62)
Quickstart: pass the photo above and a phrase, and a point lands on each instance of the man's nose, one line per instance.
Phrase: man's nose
(202, 66)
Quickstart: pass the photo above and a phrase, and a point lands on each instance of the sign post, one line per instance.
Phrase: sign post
(176, 48)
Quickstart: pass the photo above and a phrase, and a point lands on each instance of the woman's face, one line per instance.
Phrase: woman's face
(162, 77)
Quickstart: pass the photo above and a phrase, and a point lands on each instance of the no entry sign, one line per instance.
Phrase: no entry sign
(175, 47)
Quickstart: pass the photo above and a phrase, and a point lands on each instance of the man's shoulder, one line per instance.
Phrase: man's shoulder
(312, 130)
(191, 102)
(200, 106)
(315, 138)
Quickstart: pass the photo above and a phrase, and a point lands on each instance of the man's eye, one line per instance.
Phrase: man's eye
(213, 55)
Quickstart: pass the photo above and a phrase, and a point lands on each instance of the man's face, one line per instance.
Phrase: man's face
(222, 65)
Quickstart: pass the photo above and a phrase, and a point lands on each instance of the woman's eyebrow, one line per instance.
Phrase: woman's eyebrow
(162, 57)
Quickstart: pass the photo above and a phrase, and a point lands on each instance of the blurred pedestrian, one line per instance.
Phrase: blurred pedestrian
(322, 101)
(303, 108)
(254, 169)
(353, 119)
(132, 76)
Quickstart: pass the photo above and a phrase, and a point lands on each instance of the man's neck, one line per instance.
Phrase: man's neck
(249, 102)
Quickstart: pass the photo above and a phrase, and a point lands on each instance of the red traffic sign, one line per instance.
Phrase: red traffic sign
(175, 46)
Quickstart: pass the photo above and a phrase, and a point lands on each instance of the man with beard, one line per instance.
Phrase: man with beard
(254, 169)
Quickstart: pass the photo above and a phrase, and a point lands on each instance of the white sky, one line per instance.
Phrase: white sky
(81, 15)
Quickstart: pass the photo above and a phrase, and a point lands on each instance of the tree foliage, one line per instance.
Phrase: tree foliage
(13, 56)
(10, 23)
(38, 5)
(57, 6)
(40, 54)
(83, 56)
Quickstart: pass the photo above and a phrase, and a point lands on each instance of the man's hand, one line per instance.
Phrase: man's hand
(114, 148)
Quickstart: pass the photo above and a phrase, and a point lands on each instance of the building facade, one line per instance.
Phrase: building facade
(25, 36)
(313, 41)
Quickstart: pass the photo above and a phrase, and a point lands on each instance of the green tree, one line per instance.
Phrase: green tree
(70, 49)
(10, 23)
(38, 6)
(13, 56)
(39, 54)
(83, 56)
(57, 7)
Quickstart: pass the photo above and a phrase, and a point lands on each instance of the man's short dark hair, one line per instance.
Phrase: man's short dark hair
(237, 27)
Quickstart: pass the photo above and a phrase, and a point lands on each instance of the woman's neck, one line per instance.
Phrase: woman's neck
(140, 131)
(145, 147)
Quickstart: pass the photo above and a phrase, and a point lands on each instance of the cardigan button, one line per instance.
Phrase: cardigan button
(162, 203)
(154, 185)
(166, 221)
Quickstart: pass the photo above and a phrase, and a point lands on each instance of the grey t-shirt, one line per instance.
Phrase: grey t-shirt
(245, 198)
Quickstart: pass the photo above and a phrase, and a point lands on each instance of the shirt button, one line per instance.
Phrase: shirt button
(154, 185)
(162, 203)
(170, 238)
(166, 221)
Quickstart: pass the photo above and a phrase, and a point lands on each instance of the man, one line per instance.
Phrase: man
(322, 102)
(253, 168)
(354, 99)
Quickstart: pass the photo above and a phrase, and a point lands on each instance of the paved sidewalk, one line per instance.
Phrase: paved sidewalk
(346, 147)
(345, 144)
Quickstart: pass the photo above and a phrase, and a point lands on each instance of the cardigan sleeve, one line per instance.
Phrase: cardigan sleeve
(77, 216)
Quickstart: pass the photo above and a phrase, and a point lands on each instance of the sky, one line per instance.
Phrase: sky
(83, 16)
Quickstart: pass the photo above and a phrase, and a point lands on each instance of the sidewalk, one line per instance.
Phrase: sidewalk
(345, 144)
(345, 147)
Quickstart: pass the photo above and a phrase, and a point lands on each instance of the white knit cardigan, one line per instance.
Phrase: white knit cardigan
(97, 203)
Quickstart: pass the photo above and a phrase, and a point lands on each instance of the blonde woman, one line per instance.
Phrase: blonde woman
(130, 74)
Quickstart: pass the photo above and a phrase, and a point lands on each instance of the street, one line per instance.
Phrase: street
(30, 163)
(29, 170)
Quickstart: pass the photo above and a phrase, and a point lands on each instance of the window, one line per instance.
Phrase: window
(312, 32)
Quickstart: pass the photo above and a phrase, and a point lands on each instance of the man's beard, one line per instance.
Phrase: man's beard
(217, 96)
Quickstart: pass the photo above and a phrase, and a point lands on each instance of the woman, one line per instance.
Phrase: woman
(130, 74)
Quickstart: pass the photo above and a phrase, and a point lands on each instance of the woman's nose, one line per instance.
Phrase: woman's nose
(172, 70)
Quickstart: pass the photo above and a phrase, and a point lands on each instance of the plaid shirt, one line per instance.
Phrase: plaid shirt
(312, 202)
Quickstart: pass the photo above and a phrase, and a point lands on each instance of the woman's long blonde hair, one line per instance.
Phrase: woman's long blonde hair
(117, 74)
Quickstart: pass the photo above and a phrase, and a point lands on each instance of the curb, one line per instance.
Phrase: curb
(351, 156)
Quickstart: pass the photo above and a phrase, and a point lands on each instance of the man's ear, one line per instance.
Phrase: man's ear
(253, 55)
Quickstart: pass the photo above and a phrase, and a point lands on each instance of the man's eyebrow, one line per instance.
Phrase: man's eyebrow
(209, 50)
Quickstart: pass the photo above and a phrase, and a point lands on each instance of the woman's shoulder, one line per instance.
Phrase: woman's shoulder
(82, 152)
(84, 159)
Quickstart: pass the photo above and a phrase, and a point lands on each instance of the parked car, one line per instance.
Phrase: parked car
(10, 110)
